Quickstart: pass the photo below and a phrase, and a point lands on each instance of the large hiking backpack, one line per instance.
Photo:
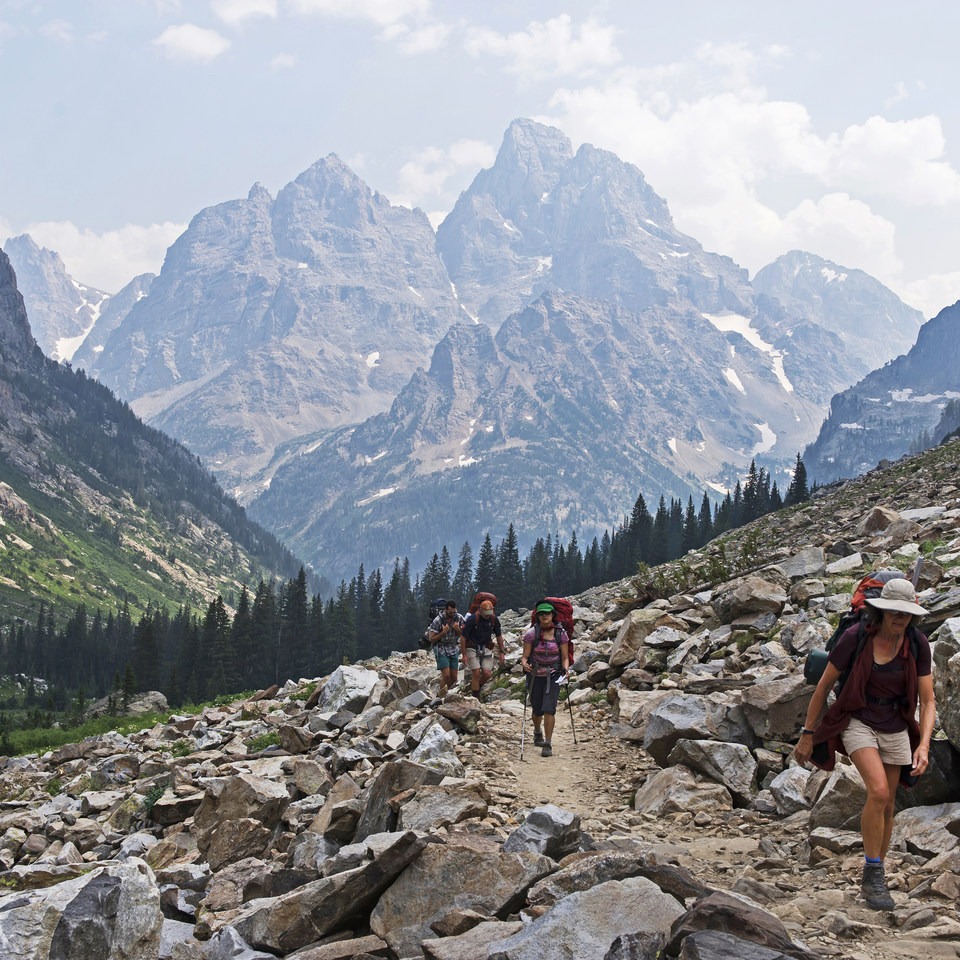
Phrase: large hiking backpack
(436, 608)
(868, 588)
(563, 614)
(479, 598)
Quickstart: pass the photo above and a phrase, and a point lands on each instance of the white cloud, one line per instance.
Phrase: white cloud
(549, 48)
(61, 30)
(381, 12)
(284, 61)
(416, 41)
(882, 156)
(107, 260)
(189, 42)
(846, 231)
(236, 11)
(423, 180)
(931, 294)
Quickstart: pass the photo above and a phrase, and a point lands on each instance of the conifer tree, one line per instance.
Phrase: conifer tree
(509, 576)
(486, 566)
(462, 587)
(798, 491)
(704, 522)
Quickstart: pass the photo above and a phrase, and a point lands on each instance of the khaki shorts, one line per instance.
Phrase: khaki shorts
(894, 748)
(479, 661)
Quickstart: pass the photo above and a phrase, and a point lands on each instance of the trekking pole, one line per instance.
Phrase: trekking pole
(563, 682)
(523, 723)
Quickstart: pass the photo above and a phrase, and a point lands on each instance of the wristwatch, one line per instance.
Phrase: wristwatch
(805, 730)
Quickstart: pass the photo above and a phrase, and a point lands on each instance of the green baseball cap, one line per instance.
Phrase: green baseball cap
(544, 608)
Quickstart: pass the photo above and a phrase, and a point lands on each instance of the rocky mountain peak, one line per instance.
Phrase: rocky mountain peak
(61, 309)
(259, 194)
(873, 323)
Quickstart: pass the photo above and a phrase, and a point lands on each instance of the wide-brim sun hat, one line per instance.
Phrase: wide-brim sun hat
(898, 595)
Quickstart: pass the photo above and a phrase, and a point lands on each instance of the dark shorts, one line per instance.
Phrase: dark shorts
(544, 694)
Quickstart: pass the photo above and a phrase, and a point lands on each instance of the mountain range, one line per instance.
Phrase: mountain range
(371, 388)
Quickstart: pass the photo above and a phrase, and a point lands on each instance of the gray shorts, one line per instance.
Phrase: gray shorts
(894, 748)
(479, 659)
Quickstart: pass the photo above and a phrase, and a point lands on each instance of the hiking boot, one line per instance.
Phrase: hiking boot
(537, 738)
(547, 750)
(874, 890)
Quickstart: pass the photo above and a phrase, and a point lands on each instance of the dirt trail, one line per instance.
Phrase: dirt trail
(597, 776)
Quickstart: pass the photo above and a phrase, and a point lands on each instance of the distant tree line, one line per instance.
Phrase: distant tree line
(280, 631)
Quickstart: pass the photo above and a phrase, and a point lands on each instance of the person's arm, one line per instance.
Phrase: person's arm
(928, 713)
(434, 635)
(565, 653)
(815, 708)
(525, 658)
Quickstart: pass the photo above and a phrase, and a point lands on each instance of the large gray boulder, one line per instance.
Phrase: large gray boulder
(110, 913)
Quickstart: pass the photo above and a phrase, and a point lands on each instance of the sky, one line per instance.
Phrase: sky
(823, 126)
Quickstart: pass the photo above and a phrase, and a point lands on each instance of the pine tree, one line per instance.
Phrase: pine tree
(486, 567)
(462, 587)
(509, 572)
(704, 522)
(798, 491)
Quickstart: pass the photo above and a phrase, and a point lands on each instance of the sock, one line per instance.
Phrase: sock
(873, 861)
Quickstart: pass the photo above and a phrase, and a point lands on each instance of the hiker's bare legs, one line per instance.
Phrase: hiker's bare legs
(880, 780)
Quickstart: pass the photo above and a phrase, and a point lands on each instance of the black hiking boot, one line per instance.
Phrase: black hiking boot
(537, 738)
(874, 890)
(547, 750)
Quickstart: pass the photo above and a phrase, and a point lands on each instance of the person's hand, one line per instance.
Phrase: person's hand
(804, 749)
(921, 760)
(526, 665)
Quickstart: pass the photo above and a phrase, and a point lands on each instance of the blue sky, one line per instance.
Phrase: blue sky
(831, 127)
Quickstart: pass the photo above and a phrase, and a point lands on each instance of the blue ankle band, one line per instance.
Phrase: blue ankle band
(873, 859)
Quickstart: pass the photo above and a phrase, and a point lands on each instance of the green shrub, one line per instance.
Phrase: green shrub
(256, 744)
(151, 797)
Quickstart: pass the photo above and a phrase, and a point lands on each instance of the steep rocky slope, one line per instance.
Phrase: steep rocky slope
(385, 822)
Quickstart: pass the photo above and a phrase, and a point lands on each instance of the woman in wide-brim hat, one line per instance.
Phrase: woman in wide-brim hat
(873, 719)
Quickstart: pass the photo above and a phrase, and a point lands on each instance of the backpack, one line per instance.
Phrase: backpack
(869, 587)
(479, 598)
(436, 608)
(563, 614)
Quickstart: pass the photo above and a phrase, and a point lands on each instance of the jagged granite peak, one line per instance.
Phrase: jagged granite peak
(17, 345)
(872, 321)
(61, 309)
(554, 424)
(545, 218)
(886, 414)
(273, 319)
(111, 315)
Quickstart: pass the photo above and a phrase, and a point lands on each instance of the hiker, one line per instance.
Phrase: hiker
(545, 660)
(873, 719)
(444, 634)
(476, 645)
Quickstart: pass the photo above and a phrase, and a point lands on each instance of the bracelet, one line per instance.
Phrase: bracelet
(806, 730)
